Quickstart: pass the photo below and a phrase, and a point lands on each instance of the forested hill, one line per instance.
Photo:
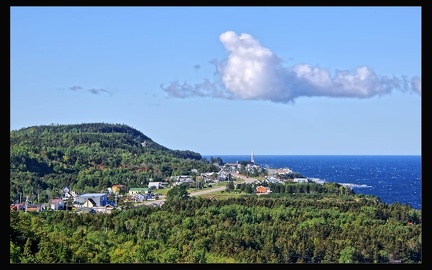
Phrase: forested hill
(90, 157)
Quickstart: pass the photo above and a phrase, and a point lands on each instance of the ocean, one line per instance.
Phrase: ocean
(395, 178)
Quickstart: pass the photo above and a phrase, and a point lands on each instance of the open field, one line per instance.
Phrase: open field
(221, 195)
(217, 191)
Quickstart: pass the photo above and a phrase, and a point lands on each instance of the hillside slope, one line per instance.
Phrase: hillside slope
(90, 157)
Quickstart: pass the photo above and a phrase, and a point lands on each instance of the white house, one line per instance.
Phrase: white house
(135, 191)
(155, 184)
(272, 179)
(300, 180)
(57, 204)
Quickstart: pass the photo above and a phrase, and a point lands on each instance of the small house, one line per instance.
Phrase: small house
(300, 180)
(135, 191)
(33, 208)
(57, 204)
(262, 189)
(157, 185)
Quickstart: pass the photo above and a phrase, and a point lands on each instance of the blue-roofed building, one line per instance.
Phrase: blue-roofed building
(92, 199)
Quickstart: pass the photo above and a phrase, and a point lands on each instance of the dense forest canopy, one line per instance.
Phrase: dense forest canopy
(289, 229)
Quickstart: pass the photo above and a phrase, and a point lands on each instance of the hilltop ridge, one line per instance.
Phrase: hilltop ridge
(90, 157)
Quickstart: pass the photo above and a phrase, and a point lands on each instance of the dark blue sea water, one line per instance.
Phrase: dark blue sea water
(391, 178)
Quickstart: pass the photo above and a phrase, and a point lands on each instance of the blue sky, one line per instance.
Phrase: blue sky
(225, 80)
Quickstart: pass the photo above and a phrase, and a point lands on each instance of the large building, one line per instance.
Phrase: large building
(92, 199)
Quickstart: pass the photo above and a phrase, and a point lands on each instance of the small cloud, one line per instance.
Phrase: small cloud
(75, 88)
(99, 91)
(94, 91)
(416, 84)
(254, 72)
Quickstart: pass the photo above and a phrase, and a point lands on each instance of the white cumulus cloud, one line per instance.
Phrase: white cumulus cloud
(254, 72)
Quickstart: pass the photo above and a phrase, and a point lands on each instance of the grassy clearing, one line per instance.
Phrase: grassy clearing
(216, 194)
(164, 191)
(222, 195)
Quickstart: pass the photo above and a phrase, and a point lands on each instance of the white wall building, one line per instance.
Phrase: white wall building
(300, 180)
(155, 184)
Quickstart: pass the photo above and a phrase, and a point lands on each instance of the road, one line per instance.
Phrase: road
(245, 179)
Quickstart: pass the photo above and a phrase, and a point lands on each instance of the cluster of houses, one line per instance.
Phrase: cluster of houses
(91, 202)
(88, 202)
(98, 202)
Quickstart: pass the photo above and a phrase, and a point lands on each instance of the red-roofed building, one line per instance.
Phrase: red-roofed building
(262, 189)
